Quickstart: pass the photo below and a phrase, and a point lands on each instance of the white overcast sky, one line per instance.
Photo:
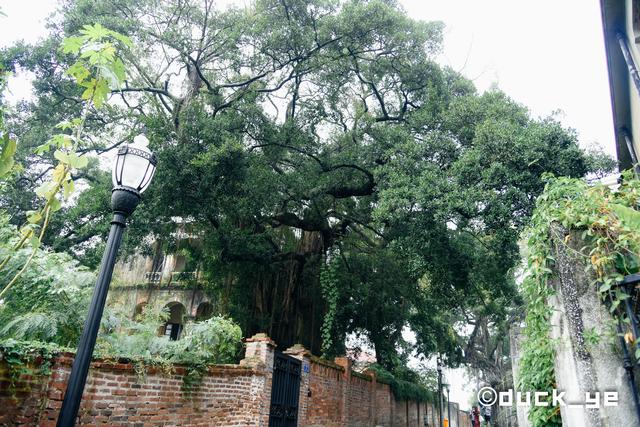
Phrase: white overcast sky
(546, 54)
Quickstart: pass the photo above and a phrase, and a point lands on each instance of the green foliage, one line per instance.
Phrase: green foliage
(216, 340)
(398, 165)
(49, 301)
(97, 70)
(8, 151)
(329, 284)
(608, 224)
(213, 341)
(21, 356)
(407, 384)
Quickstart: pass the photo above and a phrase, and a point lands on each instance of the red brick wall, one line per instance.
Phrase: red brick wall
(324, 407)
(360, 399)
(399, 413)
(383, 399)
(22, 404)
(229, 395)
(116, 396)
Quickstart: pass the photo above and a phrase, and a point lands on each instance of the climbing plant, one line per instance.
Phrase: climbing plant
(329, 285)
(608, 221)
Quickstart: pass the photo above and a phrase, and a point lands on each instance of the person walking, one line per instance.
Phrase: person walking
(486, 415)
(475, 417)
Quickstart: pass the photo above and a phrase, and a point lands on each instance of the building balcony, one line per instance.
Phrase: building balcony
(171, 277)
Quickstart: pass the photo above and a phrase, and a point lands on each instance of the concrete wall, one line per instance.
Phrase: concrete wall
(515, 339)
(581, 366)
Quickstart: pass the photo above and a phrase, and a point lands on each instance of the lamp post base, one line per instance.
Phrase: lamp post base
(123, 203)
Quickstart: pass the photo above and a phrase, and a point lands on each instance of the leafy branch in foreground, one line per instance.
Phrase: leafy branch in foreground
(98, 69)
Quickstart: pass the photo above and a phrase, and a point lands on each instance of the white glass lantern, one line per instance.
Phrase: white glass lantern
(134, 166)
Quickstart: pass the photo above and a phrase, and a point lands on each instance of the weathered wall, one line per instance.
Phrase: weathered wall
(130, 297)
(383, 398)
(515, 340)
(324, 407)
(582, 367)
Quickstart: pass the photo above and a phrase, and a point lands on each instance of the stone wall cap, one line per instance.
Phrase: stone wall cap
(298, 349)
(327, 363)
(260, 337)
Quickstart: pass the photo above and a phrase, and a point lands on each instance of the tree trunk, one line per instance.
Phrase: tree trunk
(287, 300)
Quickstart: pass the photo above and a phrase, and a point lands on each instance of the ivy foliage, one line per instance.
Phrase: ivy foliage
(609, 223)
(329, 284)
(27, 358)
(213, 341)
(407, 384)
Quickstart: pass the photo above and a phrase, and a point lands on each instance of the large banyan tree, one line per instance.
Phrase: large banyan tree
(341, 180)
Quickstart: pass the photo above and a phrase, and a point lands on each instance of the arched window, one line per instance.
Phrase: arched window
(175, 323)
(204, 311)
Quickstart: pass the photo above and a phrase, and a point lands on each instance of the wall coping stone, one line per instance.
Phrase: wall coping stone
(298, 350)
(260, 337)
(361, 375)
(325, 362)
(65, 358)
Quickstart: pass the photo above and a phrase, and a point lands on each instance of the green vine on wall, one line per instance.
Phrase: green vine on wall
(329, 286)
(27, 358)
(609, 222)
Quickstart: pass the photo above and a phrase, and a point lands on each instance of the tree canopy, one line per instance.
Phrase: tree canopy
(340, 179)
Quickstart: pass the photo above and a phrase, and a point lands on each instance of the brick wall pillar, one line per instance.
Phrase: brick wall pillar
(259, 354)
(392, 406)
(346, 363)
(299, 352)
(373, 415)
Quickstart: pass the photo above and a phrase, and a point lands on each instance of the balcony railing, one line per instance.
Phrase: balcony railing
(153, 276)
(157, 277)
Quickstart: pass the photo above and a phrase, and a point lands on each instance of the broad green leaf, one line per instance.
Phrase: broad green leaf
(67, 187)
(44, 189)
(100, 93)
(6, 158)
(34, 241)
(95, 32)
(89, 92)
(55, 205)
(44, 148)
(34, 217)
(62, 157)
(76, 161)
(630, 218)
(79, 72)
(122, 38)
(72, 44)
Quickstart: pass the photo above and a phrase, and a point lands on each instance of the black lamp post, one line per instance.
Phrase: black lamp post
(439, 369)
(446, 387)
(132, 173)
